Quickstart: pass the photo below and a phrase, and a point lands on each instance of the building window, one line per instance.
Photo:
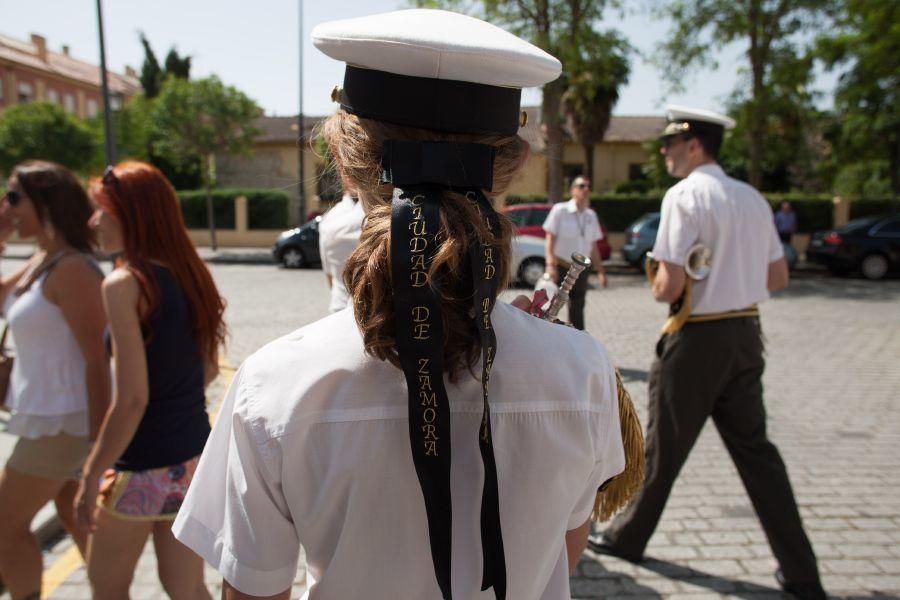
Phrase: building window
(636, 172)
(53, 96)
(115, 102)
(69, 103)
(26, 92)
(91, 108)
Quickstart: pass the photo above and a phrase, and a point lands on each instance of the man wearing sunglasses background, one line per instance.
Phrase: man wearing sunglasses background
(573, 226)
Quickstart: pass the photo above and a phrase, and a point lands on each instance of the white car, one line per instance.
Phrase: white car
(527, 259)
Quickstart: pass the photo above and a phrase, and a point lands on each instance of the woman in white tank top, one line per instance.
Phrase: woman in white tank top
(60, 384)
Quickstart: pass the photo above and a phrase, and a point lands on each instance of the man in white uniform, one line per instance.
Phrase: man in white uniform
(712, 366)
(573, 226)
(324, 443)
(339, 233)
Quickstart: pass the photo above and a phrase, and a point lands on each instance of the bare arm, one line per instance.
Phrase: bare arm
(549, 256)
(74, 286)
(778, 276)
(669, 282)
(576, 541)
(120, 297)
(229, 593)
(597, 263)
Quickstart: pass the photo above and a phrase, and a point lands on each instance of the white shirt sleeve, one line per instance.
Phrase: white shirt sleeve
(610, 454)
(551, 223)
(678, 228)
(235, 515)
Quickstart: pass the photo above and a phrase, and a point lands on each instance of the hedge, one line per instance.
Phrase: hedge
(266, 208)
(193, 208)
(617, 211)
(866, 208)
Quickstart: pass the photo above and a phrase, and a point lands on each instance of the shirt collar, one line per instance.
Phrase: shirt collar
(710, 169)
(572, 206)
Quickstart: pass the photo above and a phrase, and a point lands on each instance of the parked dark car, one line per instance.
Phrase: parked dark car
(298, 247)
(528, 220)
(870, 245)
(639, 239)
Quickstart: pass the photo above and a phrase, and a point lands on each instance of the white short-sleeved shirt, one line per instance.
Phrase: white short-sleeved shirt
(338, 238)
(312, 447)
(735, 222)
(335, 211)
(575, 230)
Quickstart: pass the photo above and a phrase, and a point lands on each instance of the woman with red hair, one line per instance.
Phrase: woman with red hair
(165, 328)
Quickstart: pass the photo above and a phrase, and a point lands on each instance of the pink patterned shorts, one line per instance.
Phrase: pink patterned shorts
(151, 495)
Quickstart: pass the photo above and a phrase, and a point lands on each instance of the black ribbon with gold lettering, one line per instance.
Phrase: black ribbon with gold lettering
(420, 346)
(486, 284)
(415, 220)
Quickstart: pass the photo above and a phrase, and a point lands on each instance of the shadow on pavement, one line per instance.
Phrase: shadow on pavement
(632, 375)
(592, 580)
(714, 583)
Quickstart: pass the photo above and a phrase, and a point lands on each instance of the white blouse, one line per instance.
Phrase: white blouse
(47, 392)
(312, 447)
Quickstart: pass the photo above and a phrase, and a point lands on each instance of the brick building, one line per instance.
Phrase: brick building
(30, 71)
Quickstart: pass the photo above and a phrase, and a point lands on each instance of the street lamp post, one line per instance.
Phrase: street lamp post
(107, 118)
(301, 142)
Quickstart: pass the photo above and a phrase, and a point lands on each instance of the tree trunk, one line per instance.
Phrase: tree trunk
(550, 116)
(210, 217)
(757, 134)
(589, 162)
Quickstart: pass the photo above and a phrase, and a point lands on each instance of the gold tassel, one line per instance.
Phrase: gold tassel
(618, 491)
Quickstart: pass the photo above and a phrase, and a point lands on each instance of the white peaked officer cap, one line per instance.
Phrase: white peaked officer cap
(686, 120)
(434, 69)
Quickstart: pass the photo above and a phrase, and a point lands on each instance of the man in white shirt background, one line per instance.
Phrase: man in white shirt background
(339, 233)
(573, 226)
(712, 365)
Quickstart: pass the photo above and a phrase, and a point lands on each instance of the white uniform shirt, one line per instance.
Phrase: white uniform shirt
(735, 222)
(339, 233)
(575, 230)
(312, 447)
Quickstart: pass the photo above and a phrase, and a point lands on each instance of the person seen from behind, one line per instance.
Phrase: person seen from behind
(165, 328)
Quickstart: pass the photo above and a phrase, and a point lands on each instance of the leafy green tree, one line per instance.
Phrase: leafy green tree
(768, 29)
(600, 69)
(178, 66)
(43, 130)
(153, 75)
(565, 29)
(791, 121)
(866, 44)
(196, 119)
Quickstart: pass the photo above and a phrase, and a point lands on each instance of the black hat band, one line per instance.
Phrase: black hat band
(436, 104)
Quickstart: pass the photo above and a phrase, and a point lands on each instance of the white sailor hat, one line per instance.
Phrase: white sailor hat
(687, 120)
(434, 69)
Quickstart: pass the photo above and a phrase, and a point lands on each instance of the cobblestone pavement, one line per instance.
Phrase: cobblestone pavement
(831, 381)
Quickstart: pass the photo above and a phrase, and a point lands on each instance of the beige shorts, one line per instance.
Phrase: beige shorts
(58, 457)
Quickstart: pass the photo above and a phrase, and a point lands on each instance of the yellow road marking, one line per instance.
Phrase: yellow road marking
(60, 570)
(57, 573)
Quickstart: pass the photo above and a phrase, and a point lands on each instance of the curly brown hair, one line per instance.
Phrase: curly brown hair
(355, 145)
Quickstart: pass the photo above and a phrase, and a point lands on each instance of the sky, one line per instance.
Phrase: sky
(253, 45)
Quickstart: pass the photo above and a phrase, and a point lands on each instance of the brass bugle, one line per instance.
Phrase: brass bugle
(580, 262)
(697, 263)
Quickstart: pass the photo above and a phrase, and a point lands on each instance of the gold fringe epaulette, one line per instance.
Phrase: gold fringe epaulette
(618, 491)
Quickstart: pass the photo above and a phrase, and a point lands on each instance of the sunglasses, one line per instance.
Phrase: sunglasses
(583, 186)
(13, 197)
(674, 139)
